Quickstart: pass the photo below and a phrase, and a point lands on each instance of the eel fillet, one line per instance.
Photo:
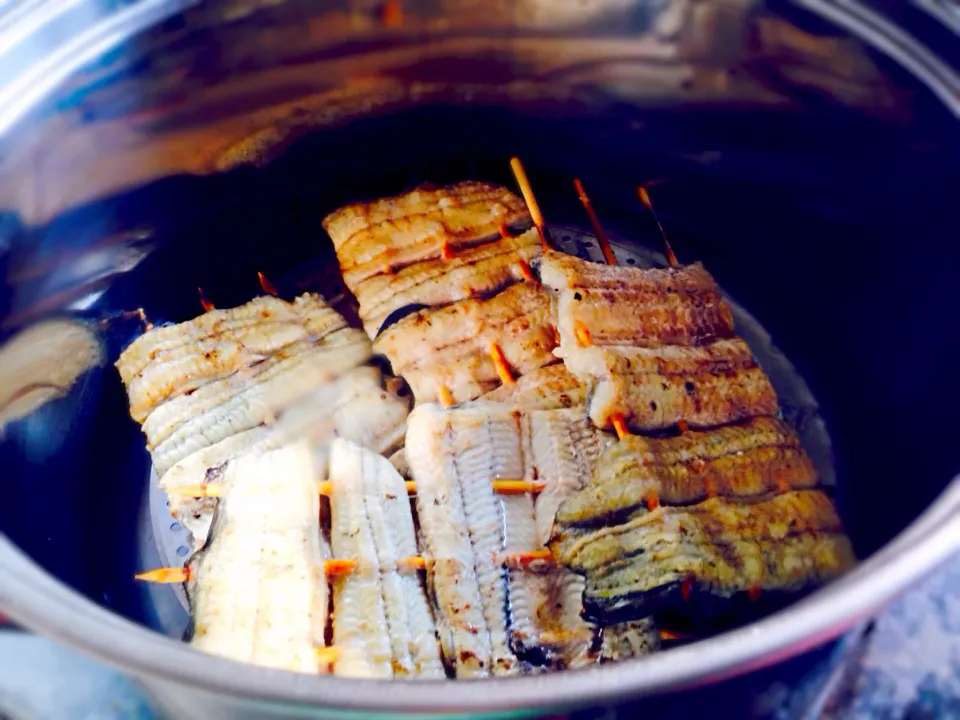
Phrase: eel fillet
(717, 548)
(334, 410)
(547, 388)
(450, 346)
(654, 388)
(472, 273)
(530, 614)
(632, 306)
(247, 402)
(462, 523)
(206, 349)
(258, 589)
(382, 623)
(562, 448)
(384, 236)
(746, 461)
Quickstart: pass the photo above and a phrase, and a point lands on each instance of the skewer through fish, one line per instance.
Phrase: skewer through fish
(450, 346)
(667, 557)
(382, 622)
(476, 272)
(384, 236)
(656, 346)
(490, 621)
(737, 462)
(173, 360)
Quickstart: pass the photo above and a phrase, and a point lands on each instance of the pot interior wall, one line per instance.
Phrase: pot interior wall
(838, 233)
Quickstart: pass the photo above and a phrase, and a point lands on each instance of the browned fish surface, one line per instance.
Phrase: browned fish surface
(450, 346)
(548, 388)
(386, 235)
(472, 273)
(489, 616)
(755, 459)
(242, 402)
(719, 547)
(654, 388)
(650, 402)
(174, 360)
(613, 305)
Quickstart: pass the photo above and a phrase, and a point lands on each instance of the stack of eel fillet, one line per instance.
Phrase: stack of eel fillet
(253, 377)
(439, 280)
(712, 512)
(656, 346)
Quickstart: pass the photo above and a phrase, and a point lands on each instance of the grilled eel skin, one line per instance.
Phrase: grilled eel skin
(744, 461)
(533, 616)
(173, 360)
(381, 620)
(476, 272)
(633, 306)
(628, 639)
(450, 345)
(547, 388)
(257, 590)
(718, 548)
(387, 235)
(654, 388)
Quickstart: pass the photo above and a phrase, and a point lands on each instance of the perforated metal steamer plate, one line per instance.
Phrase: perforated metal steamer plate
(174, 542)
(798, 406)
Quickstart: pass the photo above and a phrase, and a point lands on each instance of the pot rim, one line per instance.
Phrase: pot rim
(39, 601)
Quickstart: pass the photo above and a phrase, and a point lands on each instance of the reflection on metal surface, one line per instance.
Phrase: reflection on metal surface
(171, 103)
(42, 363)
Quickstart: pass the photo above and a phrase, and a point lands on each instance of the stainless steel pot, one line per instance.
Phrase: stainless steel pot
(102, 102)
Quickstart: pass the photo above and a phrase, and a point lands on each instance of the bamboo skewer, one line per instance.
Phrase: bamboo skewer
(648, 204)
(526, 271)
(651, 499)
(602, 238)
(446, 397)
(338, 567)
(530, 199)
(204, 301)
(327, 654)
(501, 487)
(267, 286)
(500, 362)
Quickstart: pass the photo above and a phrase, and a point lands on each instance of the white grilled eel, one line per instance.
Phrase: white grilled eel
(562, 449)
(454, 456)
(462, 531)
(355, 407)
(382, 621)
(169, 361)
(258, 590)
(247, 403)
